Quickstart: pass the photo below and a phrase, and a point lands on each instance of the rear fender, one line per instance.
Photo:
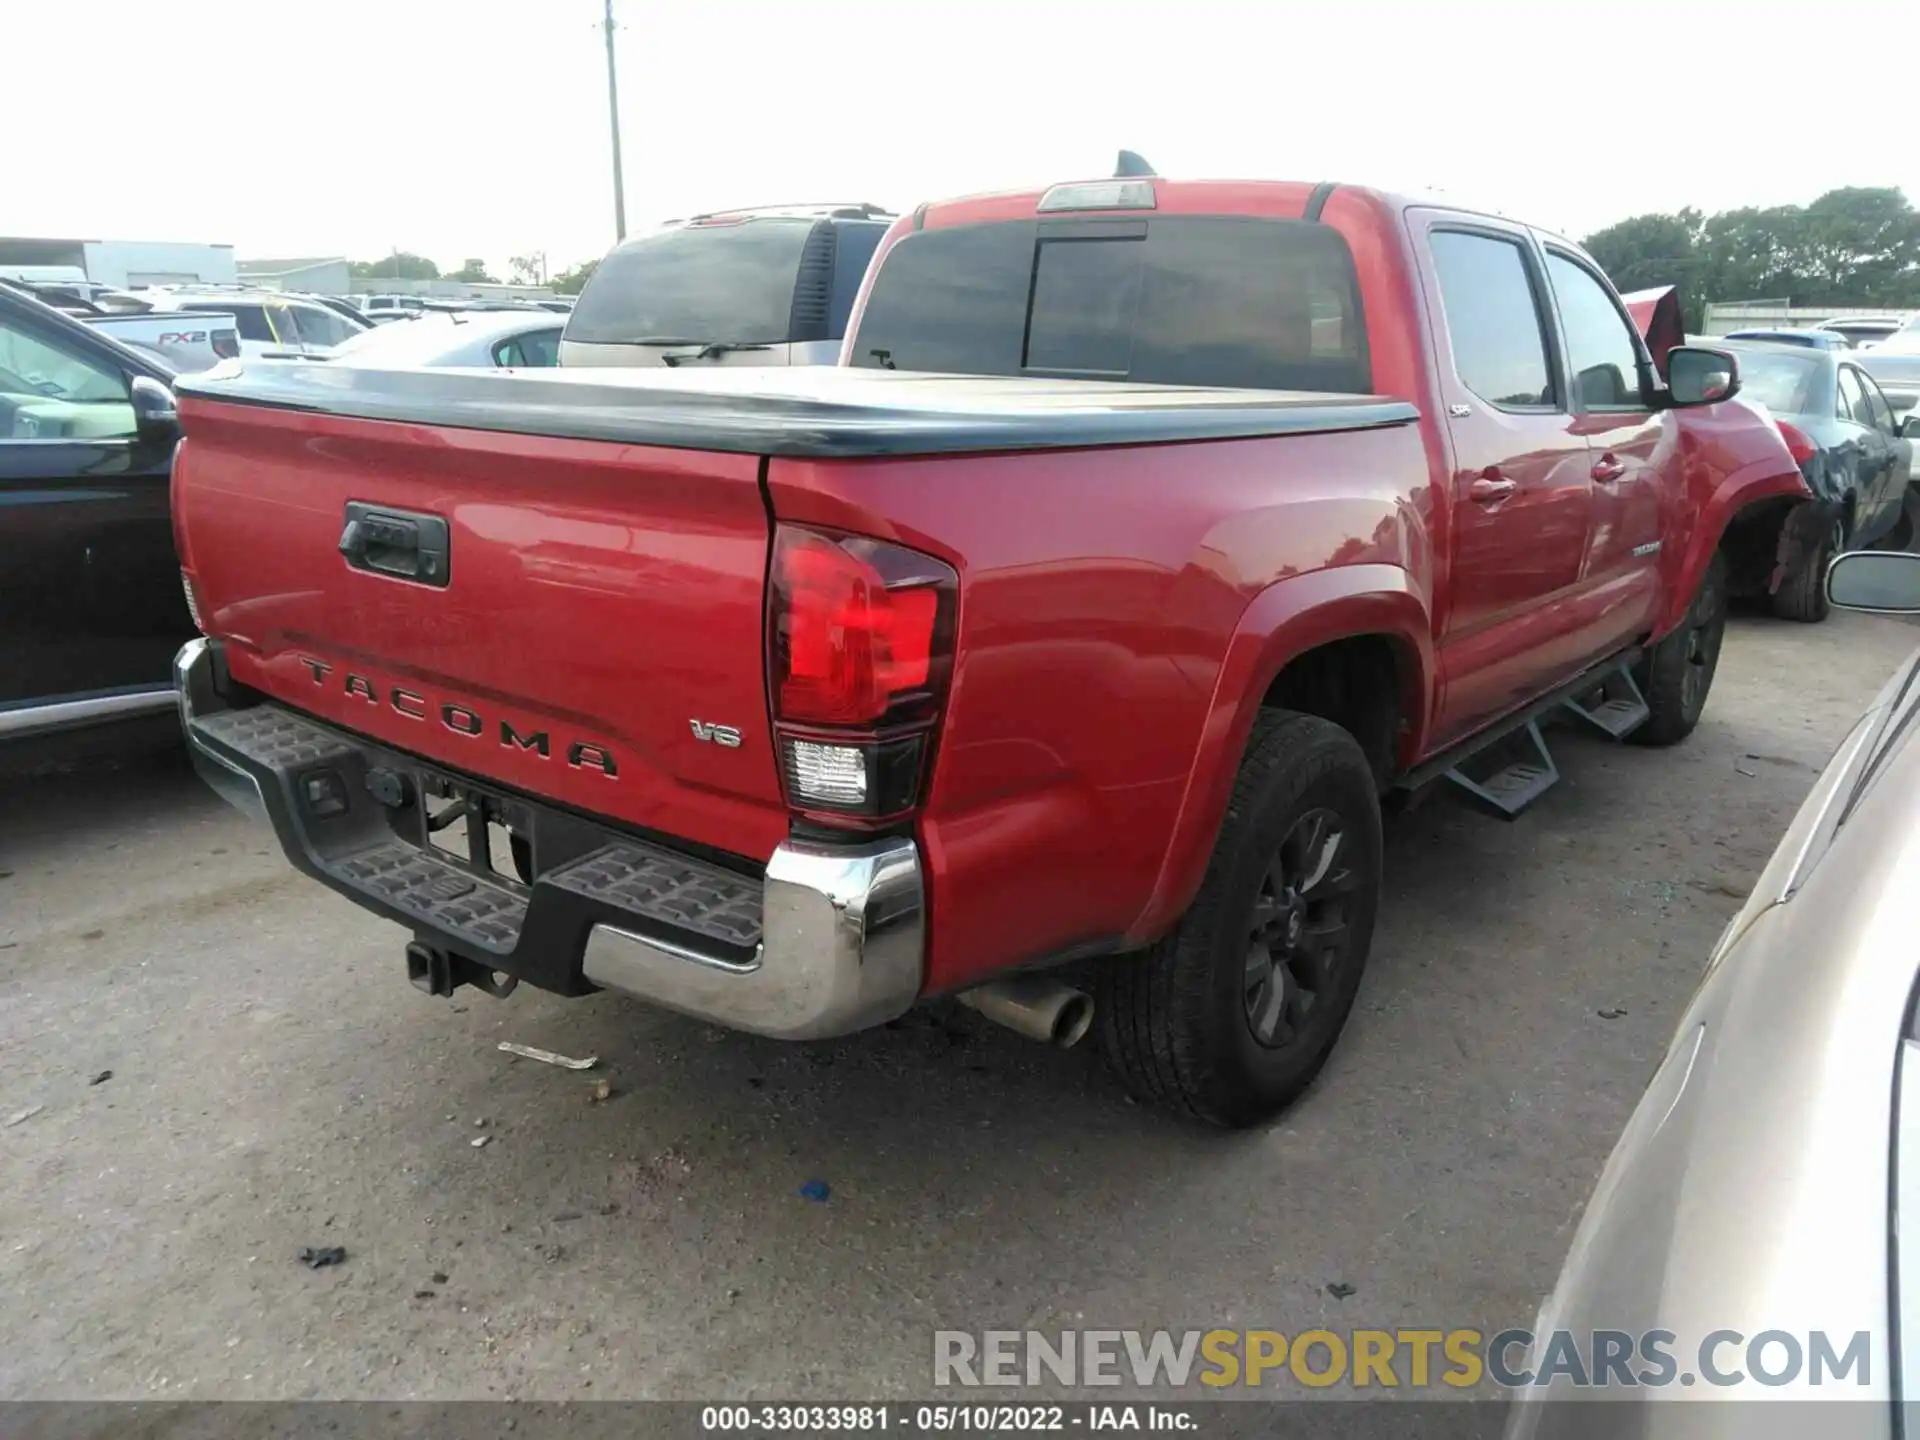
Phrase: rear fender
(1758, 480)
(1287, 619)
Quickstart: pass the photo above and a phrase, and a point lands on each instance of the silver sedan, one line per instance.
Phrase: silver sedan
(1760, 1216)
(461, 338)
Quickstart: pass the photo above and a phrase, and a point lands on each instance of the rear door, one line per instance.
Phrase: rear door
(90, 603)
(1629, 445)
(1521, 490)
(1883, 473)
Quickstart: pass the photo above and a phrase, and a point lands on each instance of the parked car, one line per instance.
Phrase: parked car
(507, 338)
(1862, 331)
(807, 692)
(1768, 1178)
(90, 599)
(1895, 364)
(377, 307)
(1817, 339)
(1843, 433)
(747, 287)
(184, 347)
(272, 326)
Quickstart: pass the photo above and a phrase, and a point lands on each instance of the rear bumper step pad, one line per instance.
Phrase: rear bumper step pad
(828, 941)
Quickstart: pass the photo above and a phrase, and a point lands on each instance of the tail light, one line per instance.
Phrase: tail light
(226, 343)
(860, 647)
(1798, 445)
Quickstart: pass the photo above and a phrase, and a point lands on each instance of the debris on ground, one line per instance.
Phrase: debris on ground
(479, 1122)
(566, 1215)
(1612, 1012)
(423, 1294)
(816, 1191)
(547, 1057)
(1741, 769)
(601, 1089)
(479, 1141)
(317, 1257)
(24, 1115)
(439, 1277)
(101, 1078)
(1340, 1290)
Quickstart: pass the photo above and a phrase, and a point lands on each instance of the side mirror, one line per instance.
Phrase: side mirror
(156, 419)
(1884, 582)
(1910, 427)
(1697, 376)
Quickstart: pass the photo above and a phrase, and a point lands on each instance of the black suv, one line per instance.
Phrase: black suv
(91, 607)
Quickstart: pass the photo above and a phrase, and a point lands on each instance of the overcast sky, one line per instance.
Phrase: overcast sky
(460, 128)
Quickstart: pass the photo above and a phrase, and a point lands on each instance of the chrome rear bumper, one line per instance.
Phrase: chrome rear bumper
(840, 935)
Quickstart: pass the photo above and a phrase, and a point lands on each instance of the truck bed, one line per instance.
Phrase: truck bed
(819, 412)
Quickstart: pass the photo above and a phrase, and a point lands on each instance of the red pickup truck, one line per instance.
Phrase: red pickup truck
(1149, 537)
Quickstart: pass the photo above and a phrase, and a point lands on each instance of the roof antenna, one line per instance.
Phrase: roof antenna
(1129, 165)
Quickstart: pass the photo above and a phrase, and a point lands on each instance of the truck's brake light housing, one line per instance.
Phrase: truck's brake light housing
(860, 639)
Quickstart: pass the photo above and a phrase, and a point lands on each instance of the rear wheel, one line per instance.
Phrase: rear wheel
(1677, 672)
(1231, 1016)
(1803, 590)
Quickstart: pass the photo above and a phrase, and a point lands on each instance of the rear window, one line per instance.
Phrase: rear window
(250, 320)
(700, 283)
(1779, 379)
(1177, 300)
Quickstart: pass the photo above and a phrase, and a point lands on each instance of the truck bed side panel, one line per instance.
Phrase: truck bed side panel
(1099, 592)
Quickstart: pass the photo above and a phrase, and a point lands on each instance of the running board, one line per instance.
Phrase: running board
(1527, 773)
(1616, 709)
(1508, 767)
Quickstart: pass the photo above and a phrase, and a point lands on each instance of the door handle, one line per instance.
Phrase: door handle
(1490, 489)
(1608, 468)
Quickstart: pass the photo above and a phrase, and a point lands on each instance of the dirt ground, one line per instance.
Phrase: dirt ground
(276, 1084)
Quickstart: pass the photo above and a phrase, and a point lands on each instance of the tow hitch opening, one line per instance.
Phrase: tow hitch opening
(434, 971)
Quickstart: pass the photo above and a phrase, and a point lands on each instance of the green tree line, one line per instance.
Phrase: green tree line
(521, 270)
(1852, 248)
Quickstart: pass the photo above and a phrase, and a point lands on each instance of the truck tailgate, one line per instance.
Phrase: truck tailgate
(595, 638)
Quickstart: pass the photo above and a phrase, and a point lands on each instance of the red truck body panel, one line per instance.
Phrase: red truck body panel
(602, 596)
(1122, 609)
(1104, 655)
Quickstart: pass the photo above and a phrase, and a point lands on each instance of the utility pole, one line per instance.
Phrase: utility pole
(613, 120)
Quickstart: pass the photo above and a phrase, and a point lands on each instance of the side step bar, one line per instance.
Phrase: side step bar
(1508, 768)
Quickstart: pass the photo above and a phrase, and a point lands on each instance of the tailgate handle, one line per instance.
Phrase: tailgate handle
(403, 544)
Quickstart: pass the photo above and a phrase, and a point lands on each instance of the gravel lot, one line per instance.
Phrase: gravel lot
(276, 1084)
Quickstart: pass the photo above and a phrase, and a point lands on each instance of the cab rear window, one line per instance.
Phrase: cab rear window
(1175, 300)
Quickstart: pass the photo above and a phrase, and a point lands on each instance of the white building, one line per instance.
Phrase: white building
(323, 275)
(126, 263)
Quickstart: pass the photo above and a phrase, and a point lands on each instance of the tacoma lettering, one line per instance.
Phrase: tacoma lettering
(462, 719)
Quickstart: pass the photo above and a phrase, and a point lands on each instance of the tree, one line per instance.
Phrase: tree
(1850, 247)
(1647, 251)
(572, 282)
(401, 265)
(528, 269)
(473, 272)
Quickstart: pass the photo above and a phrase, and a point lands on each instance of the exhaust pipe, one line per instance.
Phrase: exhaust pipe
(1034, 1006)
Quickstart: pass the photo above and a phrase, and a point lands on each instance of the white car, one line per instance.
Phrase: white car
(272, 326)
(460, 338)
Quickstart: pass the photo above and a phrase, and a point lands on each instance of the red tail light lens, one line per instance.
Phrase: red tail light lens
(1798, 445)
(861, 632)
(226, 343)
(860, 646)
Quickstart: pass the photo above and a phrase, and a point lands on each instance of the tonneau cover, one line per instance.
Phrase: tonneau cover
(817, 412)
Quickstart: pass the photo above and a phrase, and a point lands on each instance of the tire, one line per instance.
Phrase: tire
(1802, 594)
(1229, 1018)
(1677, 672)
